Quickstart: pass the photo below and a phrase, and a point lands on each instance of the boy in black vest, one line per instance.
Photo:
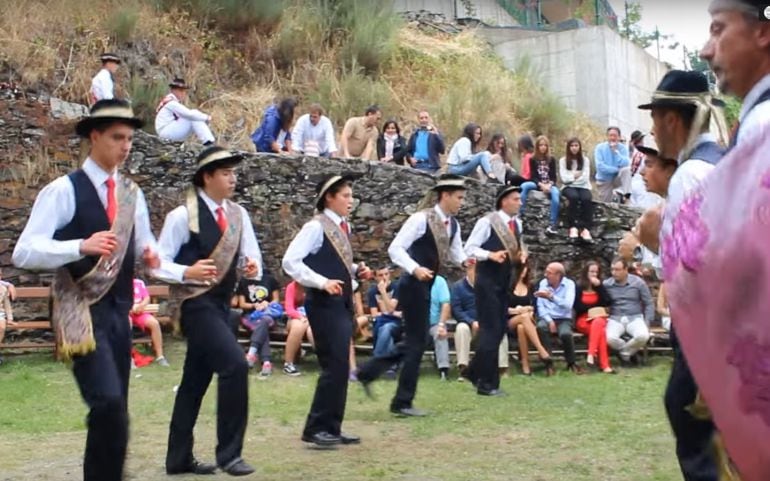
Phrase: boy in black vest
(495, 243)
(89, 226)
(321, 259)
(427, 240)
(203, 241)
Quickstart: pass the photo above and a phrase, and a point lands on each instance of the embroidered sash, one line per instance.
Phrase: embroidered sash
(440, 235)
(505, 235)
(222, 255)
(71, 314)
(338, 239)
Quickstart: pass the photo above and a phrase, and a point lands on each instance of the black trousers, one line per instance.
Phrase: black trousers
(564, 331)
(102, 377)
(491, 307)
(211, 348)
(694, 448)
(580, 212)
(414, 302)
(331, 320)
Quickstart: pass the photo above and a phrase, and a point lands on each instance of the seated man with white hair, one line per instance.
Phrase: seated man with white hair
(555, 299)
(631, 311)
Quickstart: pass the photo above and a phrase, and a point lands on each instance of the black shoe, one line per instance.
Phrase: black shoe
(493, 393)
(195, 467)
(322, 439)
(238, 467)
(408, 412)
(367, 386)
(349, 439)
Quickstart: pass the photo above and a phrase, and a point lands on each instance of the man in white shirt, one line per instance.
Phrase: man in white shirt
(313, 134)
(174, 121)
(103, 83)
(83, 225)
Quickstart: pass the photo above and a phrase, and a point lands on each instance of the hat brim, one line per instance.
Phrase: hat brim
(177, 86)
(319, 199)
(654, 153)
(229, 161)
(505, 193)
(86, 125)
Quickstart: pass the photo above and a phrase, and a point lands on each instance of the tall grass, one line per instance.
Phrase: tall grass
(122, 23)
(228, 15)
(145, 95)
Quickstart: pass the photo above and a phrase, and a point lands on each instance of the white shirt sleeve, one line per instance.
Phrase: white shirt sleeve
(53, 209)
(413, 229)
(456, 252)
(479, 235)
(249, 243)
(308, 241)
(331, 145)
(143, 236)
(186, 113)
(174, 234)
(298, 134)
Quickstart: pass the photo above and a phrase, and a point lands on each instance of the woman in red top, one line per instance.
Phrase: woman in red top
(591, 307)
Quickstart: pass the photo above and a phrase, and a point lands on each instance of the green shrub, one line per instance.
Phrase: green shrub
(145, 95)
(233, 15)
(348, 94)
(122, 23)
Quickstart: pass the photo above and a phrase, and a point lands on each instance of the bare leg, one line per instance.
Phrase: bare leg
(297, 328)
(309, 335)
(525, 322)
(523, 349)
(353, 366)
(156, 335)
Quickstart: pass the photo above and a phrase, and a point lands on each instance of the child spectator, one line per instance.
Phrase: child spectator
(146, 321)
(297, 327)
(542, 170)
(261, 308)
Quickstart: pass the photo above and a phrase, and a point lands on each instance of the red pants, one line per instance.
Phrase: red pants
(596, 330)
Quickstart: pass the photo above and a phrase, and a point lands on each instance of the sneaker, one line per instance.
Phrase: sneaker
(267, 370)
(251, 359)
(551, 230)
(290, 369)
(443, 376)
(353, 377)
(573, 233)
(161, 361)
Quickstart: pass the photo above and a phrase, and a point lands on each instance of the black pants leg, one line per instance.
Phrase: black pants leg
(211, 348)
(694, 449)
(491, 306)
(573, 210)
(260, 338)
(102, 377)
(564, 329)
(332, 325)
(414, 299)
(586, 213)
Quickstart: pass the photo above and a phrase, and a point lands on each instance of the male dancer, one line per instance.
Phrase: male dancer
(321, 259)
(103, 83)
(202, 241)
(427, 240)
(89, 226)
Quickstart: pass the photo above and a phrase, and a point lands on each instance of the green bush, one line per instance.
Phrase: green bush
(237, 15)
(145, 95)
(349, 93)
(122, 23)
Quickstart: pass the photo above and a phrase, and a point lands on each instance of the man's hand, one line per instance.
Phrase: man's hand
(382, 286)
(647, 228)
(546, 188)
(474, 327)
(412, 161)
(544, 294)
(203, 270)
(150, 258)
(552, 327)
(423, 274)
(99, 244)
(251, 269)
(441, 332)
(333, 287)
(261, 306)
(498, 256)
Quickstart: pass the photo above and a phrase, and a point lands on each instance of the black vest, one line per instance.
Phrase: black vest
(762, 98)
(329, 264)
(423, 250)
(91, 217)
(497, 275)
(201, 245)
(710, 152)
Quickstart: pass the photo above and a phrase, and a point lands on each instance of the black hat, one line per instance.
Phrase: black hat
(675, 88)
(213, 158)
(449, 182)
(637, 135)
(178, 83)
(105, 112)
(327, 183)
(653, 152)
(503, 192)
(109, 57)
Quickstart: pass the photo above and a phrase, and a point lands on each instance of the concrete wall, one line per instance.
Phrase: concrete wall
(593, 70)
(488, 11)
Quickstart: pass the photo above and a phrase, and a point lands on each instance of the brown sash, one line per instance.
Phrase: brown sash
(440, 236)
(222, 255)
(71, 314)
(505, 235)
(338, 239)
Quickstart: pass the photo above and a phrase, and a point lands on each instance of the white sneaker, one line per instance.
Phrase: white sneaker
(267, 370)
(290, 369)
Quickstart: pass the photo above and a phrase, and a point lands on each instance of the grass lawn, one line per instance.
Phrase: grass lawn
(594, 428)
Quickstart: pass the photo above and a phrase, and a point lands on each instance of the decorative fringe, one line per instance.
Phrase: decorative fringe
(68, 351)
(698, 409)
(726, 468)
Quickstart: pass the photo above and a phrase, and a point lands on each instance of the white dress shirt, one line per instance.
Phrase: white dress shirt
(414, 228)
(54, 208)
(322, 134)
(307, 242)
(102, 86)
(752, 120)
(176, 233)
(481, 232)
(166, 115)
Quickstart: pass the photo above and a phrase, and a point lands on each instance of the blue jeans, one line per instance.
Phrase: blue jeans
(555, 196)
(385, 346)
(480, 159)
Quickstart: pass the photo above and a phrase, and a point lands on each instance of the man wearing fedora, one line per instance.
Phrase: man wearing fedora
(321, 259)
(495, 243)
(203, 243)
(103, 83)
(90, 226)
(428, 240)
(174, 121)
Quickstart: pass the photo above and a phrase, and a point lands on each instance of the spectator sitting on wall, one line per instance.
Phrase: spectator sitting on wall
(273, 134)
(359, 136)
(463, 158)
(542, 168)
(426, 145)
(526, 149)
(391, 146)
(613, 168)
(501, 161)
(174, 121)
(313, 134)
(575, 173)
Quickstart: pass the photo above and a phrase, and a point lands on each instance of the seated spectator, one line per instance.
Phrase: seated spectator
(575, 173)
(174, 121)
(631, 311)
(6, 313)
(259, 301)
(613, 168)
(463, 302)
(426, 145)
(382, 300)
(463, 161)
(297, 326)
(9, 286)
(526, 149)
(542, 169)
(662, 307)
(146, 321)
(391, 146)
(273, 134)
(359, 136)
(555, 298)
(313, 134)
(592, 303)
(440, 312)
(361, 330)
(501, 161)
(522, 321)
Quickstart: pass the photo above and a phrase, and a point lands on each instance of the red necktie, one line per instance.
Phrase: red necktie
(512, 225)
(112, 203)
(221, 219)
(345, 228)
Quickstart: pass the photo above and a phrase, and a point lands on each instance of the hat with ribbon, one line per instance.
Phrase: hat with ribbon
(105, 112)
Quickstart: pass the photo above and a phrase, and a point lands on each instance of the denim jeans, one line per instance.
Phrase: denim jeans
(555, 196)
(385, 345)
(476, 160)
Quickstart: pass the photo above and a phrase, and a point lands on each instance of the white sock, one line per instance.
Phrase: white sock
(252, 351)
